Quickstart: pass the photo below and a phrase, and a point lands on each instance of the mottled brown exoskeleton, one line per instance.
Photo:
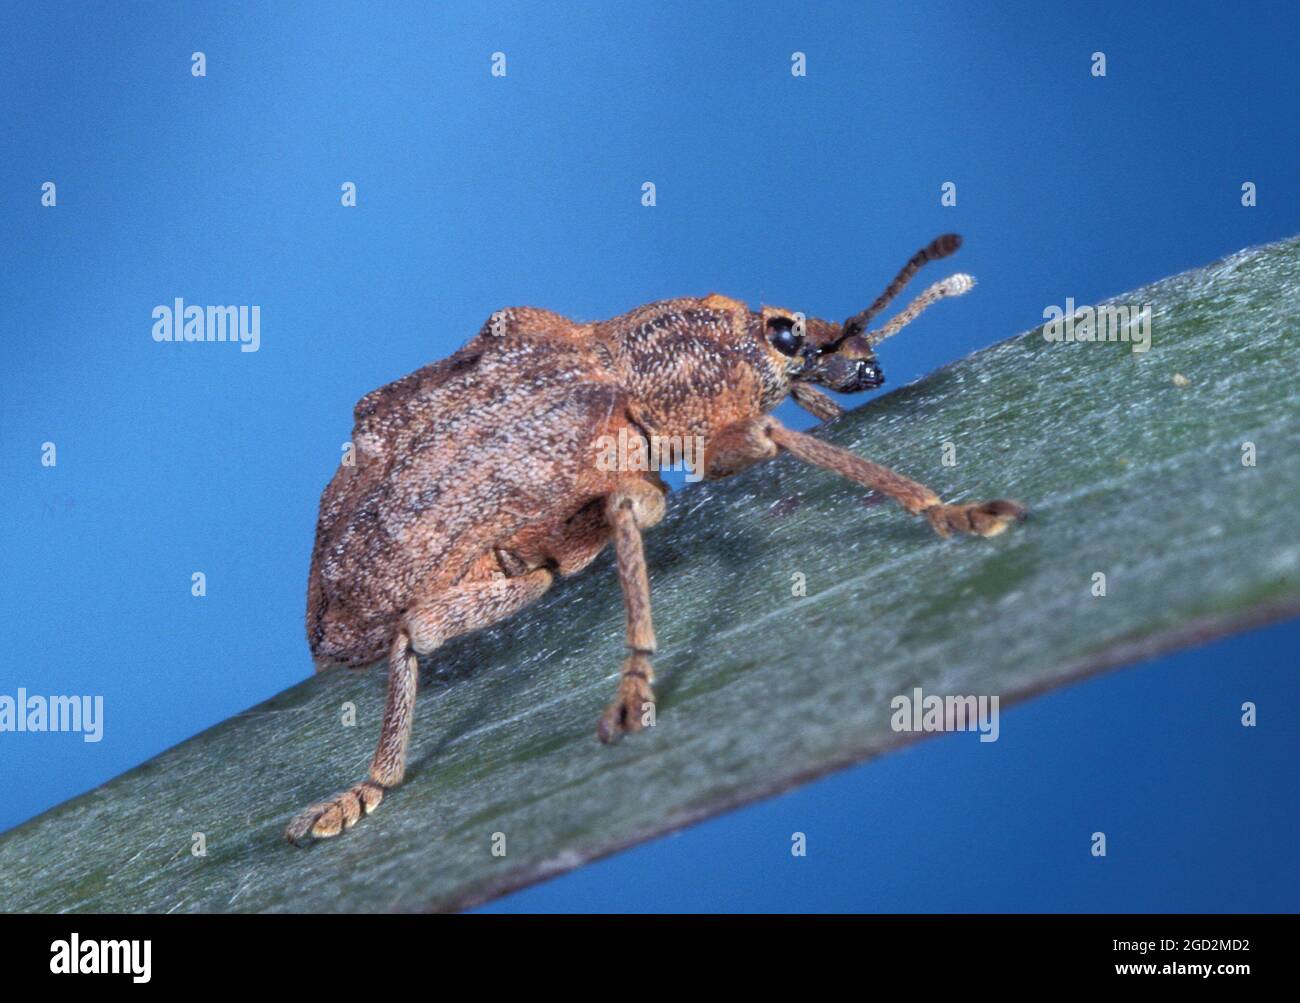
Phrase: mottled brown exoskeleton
(475, 480)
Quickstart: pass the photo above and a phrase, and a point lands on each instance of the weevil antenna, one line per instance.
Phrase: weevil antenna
(938, 248)
(954, 285)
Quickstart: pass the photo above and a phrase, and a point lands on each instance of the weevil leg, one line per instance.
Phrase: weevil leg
(737, 447)
(816, 403)
(633, 506)
(424, 628)
(748, 442)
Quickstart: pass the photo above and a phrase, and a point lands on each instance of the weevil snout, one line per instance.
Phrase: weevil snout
(845, 365)
(865, 376)
(849, 368)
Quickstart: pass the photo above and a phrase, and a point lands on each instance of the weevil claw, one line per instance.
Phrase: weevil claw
(633, 707)
(977, 518)
(334, 815)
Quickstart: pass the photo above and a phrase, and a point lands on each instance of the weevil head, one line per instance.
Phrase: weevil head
(812, 350)
(842, 357)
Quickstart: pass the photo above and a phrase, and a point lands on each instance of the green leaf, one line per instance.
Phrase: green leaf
(1130, 463)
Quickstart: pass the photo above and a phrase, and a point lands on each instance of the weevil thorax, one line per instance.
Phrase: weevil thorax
(693, 365)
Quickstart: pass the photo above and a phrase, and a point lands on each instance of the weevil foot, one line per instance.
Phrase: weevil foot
(336, 814)
(633, 707)
(977, 518)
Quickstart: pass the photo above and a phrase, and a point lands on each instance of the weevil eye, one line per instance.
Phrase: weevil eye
(785, 339)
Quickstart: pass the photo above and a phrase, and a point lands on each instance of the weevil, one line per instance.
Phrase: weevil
(473, 485)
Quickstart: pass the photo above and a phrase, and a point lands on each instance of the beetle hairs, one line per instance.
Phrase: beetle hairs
(954, 285)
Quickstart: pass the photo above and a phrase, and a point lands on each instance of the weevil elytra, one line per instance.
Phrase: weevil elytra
(473, 483)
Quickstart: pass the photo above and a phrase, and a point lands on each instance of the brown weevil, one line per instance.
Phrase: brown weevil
(473, 483)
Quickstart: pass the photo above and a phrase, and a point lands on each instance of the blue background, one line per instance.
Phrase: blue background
(478, 192)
